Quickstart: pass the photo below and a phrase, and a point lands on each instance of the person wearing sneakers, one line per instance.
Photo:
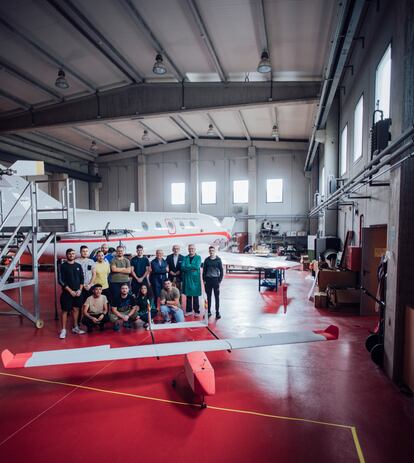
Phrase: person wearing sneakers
(212, 277)
(191, 281)
(87, 265)
(95, 309)
(71, 280)
(124, 309)
(170, 303)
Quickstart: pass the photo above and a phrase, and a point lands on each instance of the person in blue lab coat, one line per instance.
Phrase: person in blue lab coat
(159, 270)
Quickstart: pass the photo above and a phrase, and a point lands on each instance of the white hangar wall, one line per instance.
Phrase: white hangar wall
(222, 165)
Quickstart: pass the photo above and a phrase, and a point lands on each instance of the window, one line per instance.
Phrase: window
(208, 193)
(383, 85)
(322, 181)
(344, 150)
(358, 123)
(144, 226)
(158, 225)
(240, 191)
(274, 190)
(192, 224)
(182, 224)
(177, 193)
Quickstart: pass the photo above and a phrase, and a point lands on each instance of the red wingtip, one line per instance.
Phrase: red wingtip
(14, 361)
(331, 333)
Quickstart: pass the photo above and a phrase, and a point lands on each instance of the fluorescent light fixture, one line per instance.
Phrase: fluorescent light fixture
(159, 67)
(61, 81)
(264, 65)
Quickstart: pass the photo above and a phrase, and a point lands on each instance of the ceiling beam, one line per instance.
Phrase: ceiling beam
(59, 63)
(215, 126)
(180, 128)
(147, 127)
(161, 99)
(138, 145)
(96, 139)
(150, 36)
(206, 39)
(15, 99)
(28, 79)
(181, 122)
(243, 124)
(90, 32)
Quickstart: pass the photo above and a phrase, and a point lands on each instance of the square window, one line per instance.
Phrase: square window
(274, 190)
(208, 192)
(240, 191)
(177, 194)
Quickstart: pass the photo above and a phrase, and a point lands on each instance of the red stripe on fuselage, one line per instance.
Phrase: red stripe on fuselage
(134, 238)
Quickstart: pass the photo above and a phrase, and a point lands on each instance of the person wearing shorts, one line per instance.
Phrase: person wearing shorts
(71, 280)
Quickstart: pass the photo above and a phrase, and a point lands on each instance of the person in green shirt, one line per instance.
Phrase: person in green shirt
(120, 271)
(191, 281)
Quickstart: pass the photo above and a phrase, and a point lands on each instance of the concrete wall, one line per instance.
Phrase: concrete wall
(222, 165)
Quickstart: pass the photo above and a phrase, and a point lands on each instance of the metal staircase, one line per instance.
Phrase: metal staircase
(30, 231)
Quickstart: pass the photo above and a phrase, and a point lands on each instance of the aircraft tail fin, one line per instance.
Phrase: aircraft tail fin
(228, 223)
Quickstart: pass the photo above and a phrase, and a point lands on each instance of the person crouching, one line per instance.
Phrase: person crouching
(95, 309)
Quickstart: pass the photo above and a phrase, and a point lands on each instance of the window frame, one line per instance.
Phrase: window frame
(215, 193)
(386, 116)
(233, 198)
(267, 191)
(172, 194)
(361, 141)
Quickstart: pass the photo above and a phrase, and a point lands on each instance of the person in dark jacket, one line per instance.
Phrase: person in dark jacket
(71, 280)
(143, 301)
(212, 277)
(159, 270)
(174, 262)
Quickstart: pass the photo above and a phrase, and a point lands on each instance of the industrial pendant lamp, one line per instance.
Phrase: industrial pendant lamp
(159, 67)
(275, 133)
(94, 147)
(211, 130)
(61, 81)
(264, 65)
(145, 136)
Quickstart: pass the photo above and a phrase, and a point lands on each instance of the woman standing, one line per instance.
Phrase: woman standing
(191, 280)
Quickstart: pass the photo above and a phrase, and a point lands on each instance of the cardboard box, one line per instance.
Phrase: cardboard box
(348, 297)
(321, 300)
(336, 278)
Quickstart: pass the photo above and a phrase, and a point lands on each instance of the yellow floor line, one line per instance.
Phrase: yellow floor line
(210, 407)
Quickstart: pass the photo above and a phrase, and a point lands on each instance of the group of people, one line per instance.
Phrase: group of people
(112, 288)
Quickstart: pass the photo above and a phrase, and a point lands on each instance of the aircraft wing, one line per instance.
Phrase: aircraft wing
(250, 260)
(106, 353)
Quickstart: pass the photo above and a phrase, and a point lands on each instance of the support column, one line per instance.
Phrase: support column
(331, 150)
(94, 187)
(142, 182)
(194, 187)
(252, 206)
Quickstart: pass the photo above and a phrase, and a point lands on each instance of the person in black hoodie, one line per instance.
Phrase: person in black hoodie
(212, 277)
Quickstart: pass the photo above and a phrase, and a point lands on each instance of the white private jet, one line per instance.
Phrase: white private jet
(154, 230)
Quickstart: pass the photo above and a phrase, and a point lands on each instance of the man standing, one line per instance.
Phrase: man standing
(87, 265)
(95, 309)
(71, 281)
(100, 274)
(159, 269)
(124, 308)
(212, 277)
(190, 269)
(107, 255)
(120, 270)
(174, 262)
(170, 303)
(141, 268)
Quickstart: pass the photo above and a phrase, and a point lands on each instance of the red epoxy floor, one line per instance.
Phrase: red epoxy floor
(127, 410)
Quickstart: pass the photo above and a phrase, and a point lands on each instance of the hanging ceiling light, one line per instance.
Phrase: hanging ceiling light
(275, 133)
(264, 65)
(61, 81)
(211, 130)
(145, 136)
(94, 147)
(159, 67)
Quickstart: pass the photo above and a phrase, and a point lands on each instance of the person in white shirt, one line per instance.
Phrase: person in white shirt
(95, 310)
(87, 265)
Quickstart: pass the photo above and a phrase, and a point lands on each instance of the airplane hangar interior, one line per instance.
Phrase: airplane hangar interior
(206, 231)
